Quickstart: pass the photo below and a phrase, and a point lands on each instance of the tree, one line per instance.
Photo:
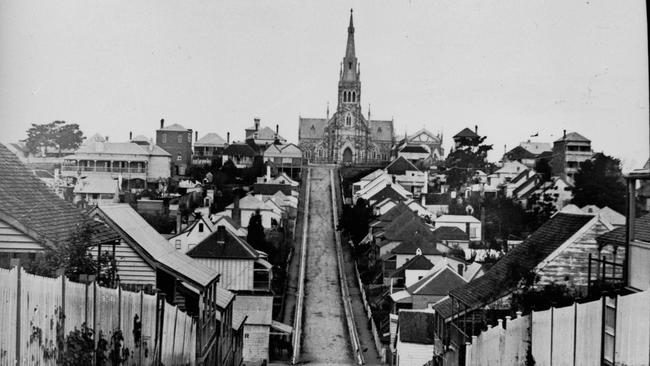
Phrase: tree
(57, 135)
(464, 160)
(599, 181)
(75, 260)
(355, 219)
(256, 236)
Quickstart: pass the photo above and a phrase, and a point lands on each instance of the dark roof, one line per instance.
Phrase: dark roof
(466, 132)
(617, 236)
(395, 212)
(520, 176)
(450, 233)
(416, 327)
(27, 204)
(505, 273)
(243, 149)
(414, 149)
(437, 199)
(419, 262)
(407, 226)
(387, 192)
(573, 136)
(233, 247)
(399, 166)
(535, 179)
(519, 153)
(271, 189)
(412, 245)
(437, 284)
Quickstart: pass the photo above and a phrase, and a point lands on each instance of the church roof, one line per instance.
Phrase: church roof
(311, 128)
(381, 130)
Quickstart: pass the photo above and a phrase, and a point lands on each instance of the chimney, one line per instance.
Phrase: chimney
(564, 134)
(236, 212)
(277, 130)
(221, 234)
(257, 123)
(476, 129)
(228, 138)
(162, 123)
(130, 135)
(196, 136)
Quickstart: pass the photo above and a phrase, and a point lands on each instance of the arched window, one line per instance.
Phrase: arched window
(348, 120)
(345, 97)
(354, 96)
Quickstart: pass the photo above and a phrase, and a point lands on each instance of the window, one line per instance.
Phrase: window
(246, 335)
(189, 137)
(179, 157)
(348, 120)
(164, 138)
(200, 227)
(354, 96)
(472, 232)
(177, 243)
(180, 139)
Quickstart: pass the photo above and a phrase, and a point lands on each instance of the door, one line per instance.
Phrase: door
(347, 155)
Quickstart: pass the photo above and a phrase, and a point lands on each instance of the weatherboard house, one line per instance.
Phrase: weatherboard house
(347, 136)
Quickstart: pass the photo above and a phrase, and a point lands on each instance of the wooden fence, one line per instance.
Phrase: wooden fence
(38, 314)
(609, 330)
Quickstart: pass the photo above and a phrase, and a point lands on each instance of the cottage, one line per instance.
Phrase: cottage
(241, 154)
(187, 239)
(468, 223)
(33, 218)
(209, 149)
(430, 288)
(286, 158)
(412, 271)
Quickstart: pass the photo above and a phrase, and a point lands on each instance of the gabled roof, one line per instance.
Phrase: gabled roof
(387, 192)
(311, 128)
(617, 237)
(466, 132)
(450, 233)
(412, 245)
(133, 226)
(407, 226)
(573, 136)
(438, 283)
(233, 247)
(211, 139)
(125, 149)
(381, 130)
(530, 185)
(416, 327)
(188, 230)
(372, 176)
(250, 202)
(269, 189)
(519, 153)
(395, 212)
(400, 165)
(174, 127)
(536, 147)
(507, 272)
(240, 148)
(520, 176)
(264, 133)
(417, 263)
(28, 205)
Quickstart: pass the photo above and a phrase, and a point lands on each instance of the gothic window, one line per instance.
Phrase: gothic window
(354, 96)
(348, 120)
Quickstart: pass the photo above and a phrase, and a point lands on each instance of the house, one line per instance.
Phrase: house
(430, 288)
(392, 191)
(240, 265)
(556, 253)
(415, 338)
(437, 203)
(286, 158)
(187, 239)
(242, 154)
(517, 181)
(230, 224)
(520, 154)
(359, 185)
(568, 152)
(410, 272)
(177, 141)
(209, 149)
(135, 165)
(607, 214)
(558, 189)
(96, 191)
(145, 259)
(452, 236)
(34, 219)
(506, 173)
(466, 135)
(263, 136)
(469, 224)
(250, 205)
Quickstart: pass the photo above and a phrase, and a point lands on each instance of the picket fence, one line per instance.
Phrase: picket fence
(617, 329)
(38, 313)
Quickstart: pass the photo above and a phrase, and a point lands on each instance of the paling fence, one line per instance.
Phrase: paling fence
(616, 330)
(38, 314)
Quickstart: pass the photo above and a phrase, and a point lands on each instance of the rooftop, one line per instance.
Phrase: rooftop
(416, 327)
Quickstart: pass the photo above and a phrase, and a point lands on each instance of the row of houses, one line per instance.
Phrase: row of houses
(221, 280)
(583, 250)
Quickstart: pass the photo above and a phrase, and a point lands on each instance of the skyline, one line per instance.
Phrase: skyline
(521, 69)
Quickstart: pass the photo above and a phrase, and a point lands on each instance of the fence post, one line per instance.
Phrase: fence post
(575, 330)
(119, 307)
(174, 334)
(62, 316)
(18, 301)
(551, 336)
(141, 322)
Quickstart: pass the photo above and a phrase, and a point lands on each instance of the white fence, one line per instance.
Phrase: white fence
(37, 314)
(616, 329)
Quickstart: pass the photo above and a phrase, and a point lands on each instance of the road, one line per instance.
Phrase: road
(325, 336)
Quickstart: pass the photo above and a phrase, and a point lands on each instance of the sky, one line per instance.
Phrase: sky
(513, 68)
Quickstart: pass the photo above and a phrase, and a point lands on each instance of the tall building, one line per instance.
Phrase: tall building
(176, 140)
(568, 152)
(347, 136)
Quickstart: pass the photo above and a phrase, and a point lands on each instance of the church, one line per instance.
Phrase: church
(347, 136)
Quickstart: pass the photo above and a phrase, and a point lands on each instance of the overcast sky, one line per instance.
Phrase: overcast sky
(512, 67)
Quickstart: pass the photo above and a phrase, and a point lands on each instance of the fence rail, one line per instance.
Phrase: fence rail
(300, 297)
(39, 314)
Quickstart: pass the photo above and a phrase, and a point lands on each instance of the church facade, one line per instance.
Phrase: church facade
(347, 136)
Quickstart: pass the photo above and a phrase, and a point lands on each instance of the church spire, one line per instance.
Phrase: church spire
(349, 50)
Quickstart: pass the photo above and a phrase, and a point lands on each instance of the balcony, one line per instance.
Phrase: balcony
(132, 172)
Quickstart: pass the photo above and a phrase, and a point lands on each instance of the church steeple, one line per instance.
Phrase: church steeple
(350, 70)
(349, 50)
